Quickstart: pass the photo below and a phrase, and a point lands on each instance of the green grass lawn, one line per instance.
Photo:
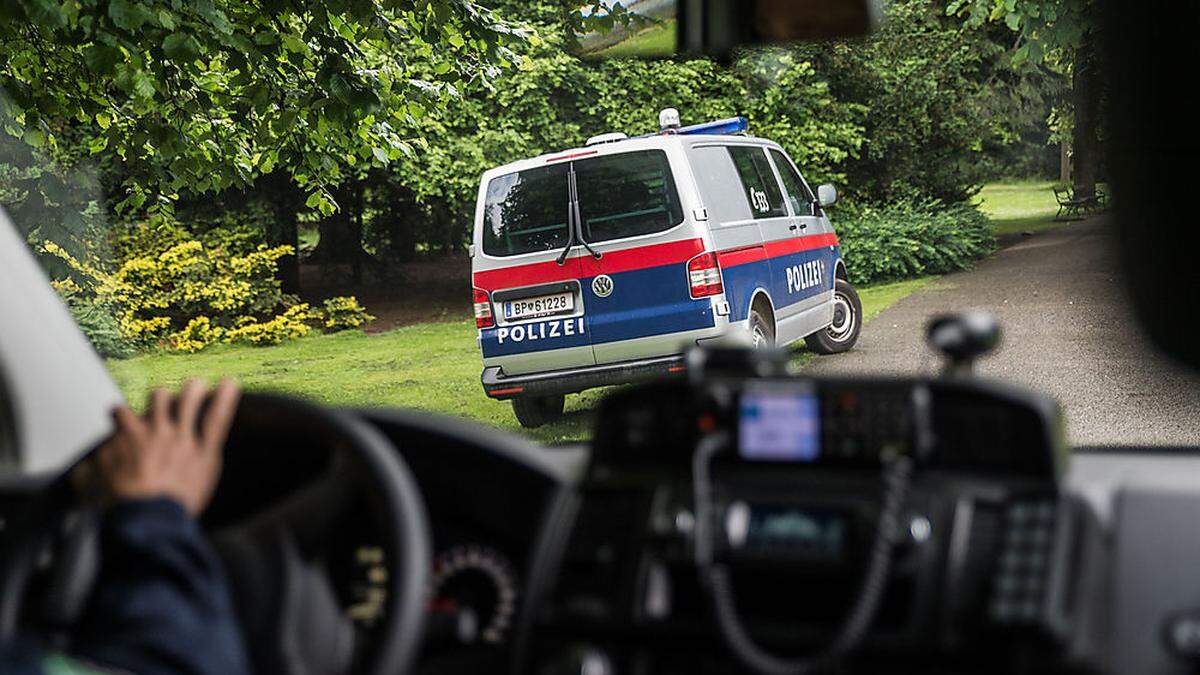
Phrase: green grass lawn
(1020, 206)
(657, 40)
(433, 366)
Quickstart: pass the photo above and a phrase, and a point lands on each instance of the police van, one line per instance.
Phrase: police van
(601, 265)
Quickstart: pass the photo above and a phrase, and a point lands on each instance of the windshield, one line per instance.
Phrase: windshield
(626, 195)
(291, 200)
(621, 195)
(526, 211)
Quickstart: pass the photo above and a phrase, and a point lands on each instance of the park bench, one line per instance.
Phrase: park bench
(1071, 207)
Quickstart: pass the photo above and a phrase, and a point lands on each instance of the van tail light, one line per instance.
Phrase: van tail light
(483, 309)
(704, 276)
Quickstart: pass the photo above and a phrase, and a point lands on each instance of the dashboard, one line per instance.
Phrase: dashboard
(795, 500)
(1012, 553)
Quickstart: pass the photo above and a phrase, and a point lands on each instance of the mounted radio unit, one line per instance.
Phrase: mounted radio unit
(776, 517)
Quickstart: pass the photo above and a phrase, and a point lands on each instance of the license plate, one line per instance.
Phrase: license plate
(542, 305)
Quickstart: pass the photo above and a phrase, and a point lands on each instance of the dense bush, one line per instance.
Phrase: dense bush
(906, 240)
(178, 293)
(96, 320)
(342, 313)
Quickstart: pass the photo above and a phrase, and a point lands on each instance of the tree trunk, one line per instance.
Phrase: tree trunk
(1085, 92)
(402, 232)
(356, 229)
(453, 238)
(285, 200)
(341, 234)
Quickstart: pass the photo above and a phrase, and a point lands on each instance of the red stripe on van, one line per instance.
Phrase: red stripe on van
(572, 156)
(733, 257)
(627, 260)
(740, 256)
(612, 262)
(798, 244)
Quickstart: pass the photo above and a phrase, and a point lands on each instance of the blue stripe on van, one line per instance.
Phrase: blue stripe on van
(742, 280)
(644, 303)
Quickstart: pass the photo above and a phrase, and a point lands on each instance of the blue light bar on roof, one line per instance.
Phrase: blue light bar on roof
(733, 125)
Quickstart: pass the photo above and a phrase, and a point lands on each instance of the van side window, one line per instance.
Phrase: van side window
(797, 192)
(526, 211)
(627, 194)
(758, 182)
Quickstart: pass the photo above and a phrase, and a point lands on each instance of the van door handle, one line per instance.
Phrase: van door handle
(792, 227)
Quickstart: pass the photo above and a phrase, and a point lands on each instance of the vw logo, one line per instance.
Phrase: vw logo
(602, 286)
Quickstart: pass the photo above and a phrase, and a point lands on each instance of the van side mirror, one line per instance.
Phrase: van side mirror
(826, 195)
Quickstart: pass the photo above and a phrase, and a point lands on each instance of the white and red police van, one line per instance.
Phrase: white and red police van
(602, 264)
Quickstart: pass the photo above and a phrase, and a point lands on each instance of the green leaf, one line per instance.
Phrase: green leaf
(103, 120)
(35, 138)
(128, 15)
(214, 16)
(293, 44)
(101, 58)
(181, 47)
(380, 154)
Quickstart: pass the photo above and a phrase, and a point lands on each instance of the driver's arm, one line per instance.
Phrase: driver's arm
(161, 604)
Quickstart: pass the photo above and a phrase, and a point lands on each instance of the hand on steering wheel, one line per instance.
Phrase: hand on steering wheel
(171, 452)
(274, 558)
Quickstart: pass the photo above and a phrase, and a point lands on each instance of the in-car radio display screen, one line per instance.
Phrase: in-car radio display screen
(779, 423)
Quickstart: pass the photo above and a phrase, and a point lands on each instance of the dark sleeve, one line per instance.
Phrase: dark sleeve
(161, 604)
(19, 657)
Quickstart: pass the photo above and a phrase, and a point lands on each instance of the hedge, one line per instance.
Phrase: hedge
(904, 241)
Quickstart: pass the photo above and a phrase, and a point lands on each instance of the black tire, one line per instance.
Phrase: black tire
(534, 411)
(762, 332)
(840, 335)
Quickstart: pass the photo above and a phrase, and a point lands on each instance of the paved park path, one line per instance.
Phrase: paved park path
(1068, 332)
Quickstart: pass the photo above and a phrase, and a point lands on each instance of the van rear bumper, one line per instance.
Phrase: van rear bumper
(571, 380)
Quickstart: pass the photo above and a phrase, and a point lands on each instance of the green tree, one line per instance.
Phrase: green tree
(203, 95)
(1062, 34)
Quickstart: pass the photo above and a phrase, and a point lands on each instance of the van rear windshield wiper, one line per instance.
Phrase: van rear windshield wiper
(574, 221)
(577, 216)
(562, 257)
(579, 224)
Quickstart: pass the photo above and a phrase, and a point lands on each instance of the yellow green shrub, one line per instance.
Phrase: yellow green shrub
(184, 295)
(343, 313)
(291, 324)
(198, 334)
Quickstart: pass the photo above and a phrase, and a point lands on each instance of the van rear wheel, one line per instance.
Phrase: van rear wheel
(534, 411)
(840, 335)
(762, 334)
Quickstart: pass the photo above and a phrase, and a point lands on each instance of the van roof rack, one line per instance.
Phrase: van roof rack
(605, 138)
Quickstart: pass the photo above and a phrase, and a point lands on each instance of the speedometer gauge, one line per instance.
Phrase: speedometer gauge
(474, 594)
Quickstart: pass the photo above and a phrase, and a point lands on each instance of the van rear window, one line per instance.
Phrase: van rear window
(627, 195)
(526, 211)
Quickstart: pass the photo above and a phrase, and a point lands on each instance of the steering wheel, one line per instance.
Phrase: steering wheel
(274, 552)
